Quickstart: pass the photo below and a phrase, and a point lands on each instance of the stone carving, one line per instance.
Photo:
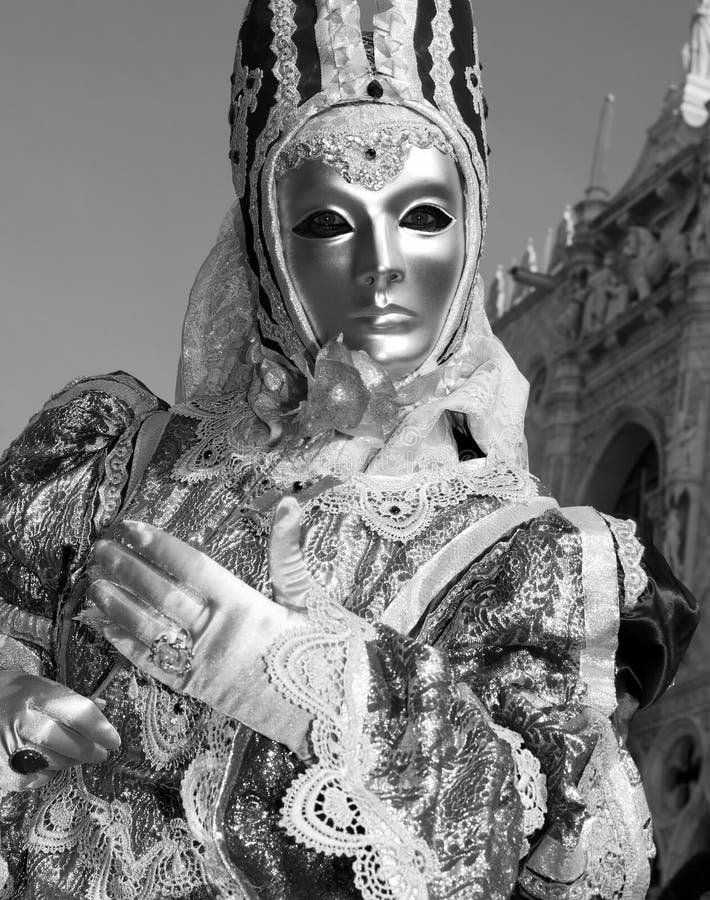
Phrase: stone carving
(606, 296)
(675, 531)
(646, 260)
(675, 230)
(699, 236)
(571, 299)
(677, 246)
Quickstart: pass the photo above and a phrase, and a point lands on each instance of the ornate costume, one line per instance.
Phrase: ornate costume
(438, 724)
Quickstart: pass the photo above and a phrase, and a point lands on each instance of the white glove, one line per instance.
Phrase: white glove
(191, 624)
(44, 724)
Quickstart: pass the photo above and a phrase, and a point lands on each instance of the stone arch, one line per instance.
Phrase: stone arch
(629, 432)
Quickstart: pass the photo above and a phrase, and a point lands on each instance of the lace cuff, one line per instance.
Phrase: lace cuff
(530, 784)
(324, 669)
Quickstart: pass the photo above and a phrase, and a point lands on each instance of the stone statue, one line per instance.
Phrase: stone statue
(569, 224)
(502, 291)
(672, 538)
(497, 300)
(697, 52)
(530, 257)
(570, 319)
(676, 528)
(606, 296)
(619, 294)
(646, 260)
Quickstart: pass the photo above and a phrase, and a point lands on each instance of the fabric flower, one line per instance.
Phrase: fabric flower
(349, 393)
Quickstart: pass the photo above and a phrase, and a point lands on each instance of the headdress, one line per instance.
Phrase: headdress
(296, 59)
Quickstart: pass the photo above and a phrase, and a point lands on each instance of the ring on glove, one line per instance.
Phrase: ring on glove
(173, 656)
(26, 761)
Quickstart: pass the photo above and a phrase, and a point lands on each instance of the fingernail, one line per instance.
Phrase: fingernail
(100, 702)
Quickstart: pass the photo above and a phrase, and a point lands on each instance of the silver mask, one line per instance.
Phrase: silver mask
(375, 257)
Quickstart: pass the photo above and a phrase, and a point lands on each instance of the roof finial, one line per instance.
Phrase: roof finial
(696, 59)
(598, 188)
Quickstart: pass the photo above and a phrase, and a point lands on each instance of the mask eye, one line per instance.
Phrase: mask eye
(323, 224)
(427, 218)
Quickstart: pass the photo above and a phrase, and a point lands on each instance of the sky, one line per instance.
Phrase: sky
(114, 175)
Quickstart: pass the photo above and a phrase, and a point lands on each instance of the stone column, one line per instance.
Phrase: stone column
(562, 408)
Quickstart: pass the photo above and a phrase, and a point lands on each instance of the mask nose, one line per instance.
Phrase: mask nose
(379, 261)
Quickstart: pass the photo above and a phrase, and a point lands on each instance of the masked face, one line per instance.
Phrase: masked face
(379, 266)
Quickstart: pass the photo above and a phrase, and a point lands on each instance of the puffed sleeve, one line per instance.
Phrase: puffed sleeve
(475, 756)
(655, 628)
(61, 481)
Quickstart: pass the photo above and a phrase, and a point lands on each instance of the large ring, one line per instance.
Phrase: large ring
(173, 656)
(26, 761)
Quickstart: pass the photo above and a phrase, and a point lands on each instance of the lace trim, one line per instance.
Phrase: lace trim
(170, 724)
(97, 834)
(441, 50)
(329, 808)
(223, 428)
(246, 84)
(201, 793)
(400, 509)
(530, 783)
(630, 555)
(115, 478)
(395, 508)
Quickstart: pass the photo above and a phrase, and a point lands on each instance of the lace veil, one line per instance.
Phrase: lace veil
(295, 60)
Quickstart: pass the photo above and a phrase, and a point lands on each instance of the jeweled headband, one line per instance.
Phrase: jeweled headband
(362, 151)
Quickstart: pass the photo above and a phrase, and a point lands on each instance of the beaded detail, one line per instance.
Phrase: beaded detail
(371, 158)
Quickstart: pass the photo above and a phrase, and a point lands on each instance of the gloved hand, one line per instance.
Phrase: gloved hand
(191, 624)
(39, 715)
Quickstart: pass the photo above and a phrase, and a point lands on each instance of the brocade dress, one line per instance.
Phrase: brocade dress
(491, 758)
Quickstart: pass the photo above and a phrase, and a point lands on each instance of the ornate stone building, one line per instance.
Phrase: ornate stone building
(613, 333)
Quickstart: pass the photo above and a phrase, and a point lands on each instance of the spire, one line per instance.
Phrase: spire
(598, 188)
